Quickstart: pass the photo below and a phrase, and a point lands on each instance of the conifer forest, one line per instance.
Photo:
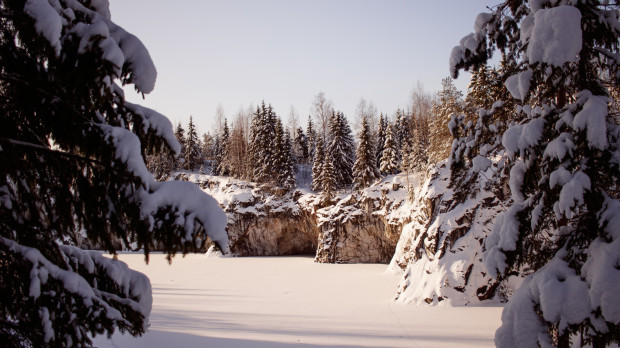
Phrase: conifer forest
(496, 206)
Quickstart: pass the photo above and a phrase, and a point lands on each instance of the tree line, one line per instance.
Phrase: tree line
(256, 146)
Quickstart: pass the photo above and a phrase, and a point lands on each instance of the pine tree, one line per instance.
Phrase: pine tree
(301, 150)
(479, 92)
(402, 131)
(317, 166)
(564, 224)
(312, 139)
(179, 133)
(192, 147)
(449, 102)
(390, 161)
(415, 156)
(217, 165)
(329, 183)
(381, 132)
(223, 152)
(58, 85)
(283, 161)
(365, 170)
(341, 150)
(263, 134)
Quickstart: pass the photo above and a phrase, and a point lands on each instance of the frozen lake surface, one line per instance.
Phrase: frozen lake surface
(292, 302)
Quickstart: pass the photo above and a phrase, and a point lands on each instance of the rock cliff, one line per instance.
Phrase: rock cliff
(356, 227)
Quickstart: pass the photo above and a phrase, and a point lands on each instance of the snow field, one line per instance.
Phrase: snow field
(292, 302)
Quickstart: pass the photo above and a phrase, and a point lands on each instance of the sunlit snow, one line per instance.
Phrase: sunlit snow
(293, 302)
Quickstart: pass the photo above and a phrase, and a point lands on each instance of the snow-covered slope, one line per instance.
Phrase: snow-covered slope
(439, 251)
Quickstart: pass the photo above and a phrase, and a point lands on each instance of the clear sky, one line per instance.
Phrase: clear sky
(240, 52)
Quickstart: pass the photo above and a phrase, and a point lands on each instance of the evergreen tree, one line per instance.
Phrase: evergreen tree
(564, 224)
(192, 147)
(390, 161)
(312, 139)
(479, 93)
(341, 150)
(449, 102)
(263, 134)
(217, 165)
(223, 152)
(365, 170)
(283, 161)
(59, 64)
(329, 183)
(317, 166)
(179, 133)
(381, 132)
(301, 151)
(415, 156)
(220, 151)
(208, 144)
(402, 131)
(161, 163)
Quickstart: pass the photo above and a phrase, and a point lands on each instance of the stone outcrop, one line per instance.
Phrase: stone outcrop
(262, 220)
(361, 227)
(440, 251)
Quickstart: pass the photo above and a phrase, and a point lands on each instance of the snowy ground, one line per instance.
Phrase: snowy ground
(292, 302)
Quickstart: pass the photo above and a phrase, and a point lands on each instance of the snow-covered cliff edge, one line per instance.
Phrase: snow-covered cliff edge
(359, 227)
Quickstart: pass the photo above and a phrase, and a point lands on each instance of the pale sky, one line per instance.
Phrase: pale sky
(240, 52)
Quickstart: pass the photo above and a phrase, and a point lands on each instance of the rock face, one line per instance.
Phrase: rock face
(440, 250)
(263, 221)
(361, 227)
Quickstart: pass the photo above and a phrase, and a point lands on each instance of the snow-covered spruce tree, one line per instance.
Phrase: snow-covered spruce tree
(328, 177)
(381, 131)
(565, 223)
(179, 133)
(301, 152)
(365, 170)
(390, 161)
(192, 146)
(262, 149)
(283, 160)
(222, 153)
(449, 102)
(479, 94)
(341, 149)
(216, 165)
(317, 166)
(312, 138)
(402, 129)
(71, 162)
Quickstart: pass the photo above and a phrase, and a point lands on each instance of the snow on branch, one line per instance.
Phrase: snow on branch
(114, 296)
(553, 35)
(157, 122)
(592, 118)
(117, 45)
(191, 206)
